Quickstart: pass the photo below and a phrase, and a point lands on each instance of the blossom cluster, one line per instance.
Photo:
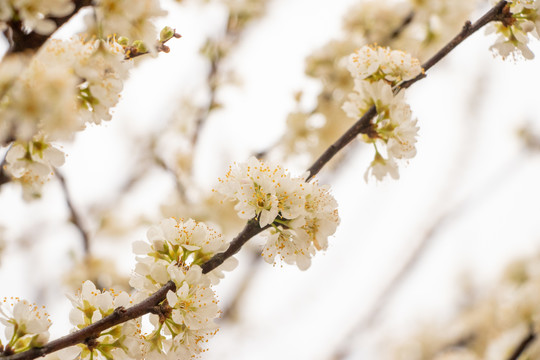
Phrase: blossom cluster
(376, 72)
(175, 251)
(301, 215)
(418, 27)
(124, 341)
(66, 85)
(35, 15)
(26, 325)
(522, 19)
(182, 323)
(131, 19)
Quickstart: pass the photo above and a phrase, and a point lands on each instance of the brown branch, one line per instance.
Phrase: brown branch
(523, 345)
(4, 178)
(21, 41)
(119, 316)
(75, 219)
(364, 124)
(397, 32)
(252, 227)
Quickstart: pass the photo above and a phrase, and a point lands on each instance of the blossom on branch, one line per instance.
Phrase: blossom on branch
(32, 163)
(122, 341)
(27, 326)
(35, 14)
(302, 215)
(131, 19)
(175, 252)
(376, 71)
(522, 17)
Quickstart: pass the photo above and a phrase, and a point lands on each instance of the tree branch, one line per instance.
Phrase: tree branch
(523, 345)
(364, 124)
(74, 215)
(120, 315)
(20, 40)
(251, 229)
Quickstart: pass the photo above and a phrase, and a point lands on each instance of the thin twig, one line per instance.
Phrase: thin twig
(74, 214)
(406, 268)
(397, 32)
(364, 124)
(252, 227)
(523, 345)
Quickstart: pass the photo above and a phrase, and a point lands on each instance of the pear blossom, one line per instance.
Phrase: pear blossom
(32, 164)
(253, 185)
(26, 325)
(177, 248)
(43, 98)
(513, 33)
(131, 19)
(35, 14)
(175, 251)
(380, 167)
(302, 215)
(123, 341)
(286, 244)
(375, 72)
(101, 67)
(374, 63)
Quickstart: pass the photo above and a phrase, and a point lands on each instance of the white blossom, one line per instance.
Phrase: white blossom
(302, 215)
(380, 167)
(32, 163)
(253, 185)
(176, 249)
(375, 72)
(26, 325)
(34, 14)
(90, 305)
(513, 32)
(131, 19)
(382, 63)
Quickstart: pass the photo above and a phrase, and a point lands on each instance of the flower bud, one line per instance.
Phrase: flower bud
(140, 47)
(166, 34)
(122, 40)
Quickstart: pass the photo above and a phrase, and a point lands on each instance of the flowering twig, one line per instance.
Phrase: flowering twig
(363, 125)
(20, 40)
(252, 228)
(119, 316)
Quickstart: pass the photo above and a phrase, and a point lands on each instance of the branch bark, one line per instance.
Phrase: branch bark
(20, 40)
(523, 345)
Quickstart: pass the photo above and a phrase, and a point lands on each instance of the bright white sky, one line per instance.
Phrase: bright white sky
(470, 161)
